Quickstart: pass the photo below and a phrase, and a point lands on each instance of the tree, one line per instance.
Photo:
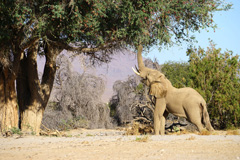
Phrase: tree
(215, 75)
(96, 26)
(177, 73)
(11, 40)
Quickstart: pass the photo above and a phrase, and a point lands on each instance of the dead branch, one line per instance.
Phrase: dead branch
(49, 132)
(142, 118)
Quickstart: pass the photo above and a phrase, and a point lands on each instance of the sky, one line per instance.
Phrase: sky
(226, 36)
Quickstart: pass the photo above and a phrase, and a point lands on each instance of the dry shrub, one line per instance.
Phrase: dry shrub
(233, 132)
(185, 131)
(191, 138)
(204, 132)
(139, 129)
(133, 130)
(142, 139)
(76, 101)
(215, 133)
(124, 97)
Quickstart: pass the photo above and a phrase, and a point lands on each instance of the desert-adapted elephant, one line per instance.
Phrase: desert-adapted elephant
(183, 102)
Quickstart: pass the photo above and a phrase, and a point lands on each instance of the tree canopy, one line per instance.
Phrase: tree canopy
(97, 23)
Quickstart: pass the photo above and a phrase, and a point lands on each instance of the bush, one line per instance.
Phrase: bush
(77, 101)
(130, 102)
(121, 102)
(177, 73)
(215, 76)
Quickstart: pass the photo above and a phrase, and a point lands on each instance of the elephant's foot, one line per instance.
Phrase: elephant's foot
(161, 133)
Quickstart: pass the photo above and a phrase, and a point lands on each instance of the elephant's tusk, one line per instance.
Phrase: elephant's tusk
(135, 71)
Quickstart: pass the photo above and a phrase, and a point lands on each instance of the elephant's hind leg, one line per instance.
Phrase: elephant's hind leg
(195, 117)
(206, 118)
(209, 126)
(198, 124)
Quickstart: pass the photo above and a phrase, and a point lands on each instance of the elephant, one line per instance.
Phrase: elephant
(182, 102)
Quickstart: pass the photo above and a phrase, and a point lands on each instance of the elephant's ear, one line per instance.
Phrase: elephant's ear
(158, 90)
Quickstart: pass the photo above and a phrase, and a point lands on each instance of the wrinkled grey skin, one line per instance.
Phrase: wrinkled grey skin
(183, 102)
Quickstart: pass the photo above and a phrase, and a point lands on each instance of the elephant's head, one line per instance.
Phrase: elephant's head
(151, 77)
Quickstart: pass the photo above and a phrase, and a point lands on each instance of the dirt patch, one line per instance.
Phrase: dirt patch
(112, 144)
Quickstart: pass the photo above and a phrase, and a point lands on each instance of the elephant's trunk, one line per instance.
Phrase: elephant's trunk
(140, 59)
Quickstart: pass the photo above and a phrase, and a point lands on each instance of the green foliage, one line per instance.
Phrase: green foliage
(215, 76)
(176, 129)
(140, 88)
(98, 22)
(30, 128)
(16, 130)
(177, 73)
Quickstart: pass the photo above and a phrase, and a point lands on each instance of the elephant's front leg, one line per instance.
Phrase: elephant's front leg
(159, 119)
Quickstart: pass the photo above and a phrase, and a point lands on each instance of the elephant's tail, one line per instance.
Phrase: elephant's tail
(206, 119)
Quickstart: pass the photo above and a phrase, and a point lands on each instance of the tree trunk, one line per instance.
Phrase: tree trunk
(31, 119)
(33, 95)
(10, 57)
(8, 101)
(9, 65)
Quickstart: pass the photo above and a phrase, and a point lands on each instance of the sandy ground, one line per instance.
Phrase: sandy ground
(112, 144)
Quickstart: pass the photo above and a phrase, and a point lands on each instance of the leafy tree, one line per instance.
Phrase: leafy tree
(215, 75)
(177, 73)
(48, 27)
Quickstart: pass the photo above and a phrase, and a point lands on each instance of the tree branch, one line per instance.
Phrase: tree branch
(107, 45)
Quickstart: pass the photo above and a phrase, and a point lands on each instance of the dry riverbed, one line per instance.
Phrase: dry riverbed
(112, 144)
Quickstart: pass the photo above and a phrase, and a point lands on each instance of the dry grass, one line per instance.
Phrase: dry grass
(138, 129)
(215, 133)
(133, 130)
(204, 132)
(233, 132)
(185, 132)
(191, 138)
(142, 139)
